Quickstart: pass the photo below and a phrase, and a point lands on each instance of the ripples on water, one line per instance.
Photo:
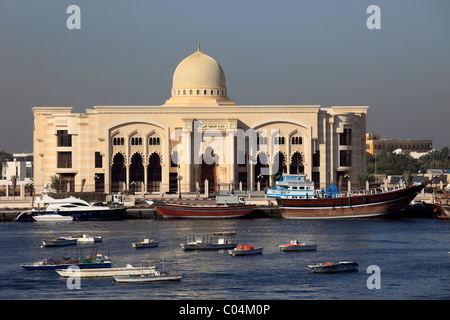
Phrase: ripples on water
(413, 256)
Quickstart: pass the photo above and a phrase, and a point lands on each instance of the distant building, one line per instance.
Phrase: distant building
(20, 165)
(375, 144)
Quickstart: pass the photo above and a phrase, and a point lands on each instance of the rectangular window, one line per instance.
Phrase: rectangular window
(98, 160)
(345, 138)
(64, 138)
(345, 158)
(64, 159)
(99, 182)
(69, 181)
(316, 159)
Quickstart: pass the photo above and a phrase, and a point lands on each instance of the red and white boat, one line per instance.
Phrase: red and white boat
(295, 245)
(198, 210)
(244, 250)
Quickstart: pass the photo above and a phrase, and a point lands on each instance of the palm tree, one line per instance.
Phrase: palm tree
(362, 178)
(57, 183)
(14, 184)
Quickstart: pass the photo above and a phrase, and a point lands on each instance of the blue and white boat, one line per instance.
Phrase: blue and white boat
(292, 186)
(87, 257)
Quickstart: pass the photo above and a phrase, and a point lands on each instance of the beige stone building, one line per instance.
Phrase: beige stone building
(198, 134)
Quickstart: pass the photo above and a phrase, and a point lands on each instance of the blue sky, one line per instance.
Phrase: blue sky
(273, 52)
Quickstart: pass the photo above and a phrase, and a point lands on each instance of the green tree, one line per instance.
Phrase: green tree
(362, 178)
(390, 163)
(14, 184)
(57, 183)
(436, 159)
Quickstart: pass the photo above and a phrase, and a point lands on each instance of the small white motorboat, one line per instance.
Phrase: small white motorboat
(107, 272)
(87, 238)
(245, 250)
(50, 217)
(59, 241)
(168, 271)
(157, 276)
(332, 267)
(216, 241)
(147, 243)
(295, 245)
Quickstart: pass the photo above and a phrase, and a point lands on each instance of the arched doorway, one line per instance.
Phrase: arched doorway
(136, 173)
(296, 163)
(208, 171)
(262, 170)
(118, 173)
(279, 165)
(154, 173)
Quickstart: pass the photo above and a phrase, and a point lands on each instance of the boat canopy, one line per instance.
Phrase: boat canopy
(331, 192)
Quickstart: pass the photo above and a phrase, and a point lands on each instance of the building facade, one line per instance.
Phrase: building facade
(197, 135)
(375, 144)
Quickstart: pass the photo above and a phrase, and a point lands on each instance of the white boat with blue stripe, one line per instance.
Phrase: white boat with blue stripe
(292, 186)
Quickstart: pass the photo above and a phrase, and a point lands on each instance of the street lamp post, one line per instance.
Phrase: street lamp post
(179, 178)
(232, 183)
(133, 186)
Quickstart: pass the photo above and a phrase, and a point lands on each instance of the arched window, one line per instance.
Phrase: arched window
(153, 141)
(204, 92)
(296, 140)
(184, 92)
(190, 92)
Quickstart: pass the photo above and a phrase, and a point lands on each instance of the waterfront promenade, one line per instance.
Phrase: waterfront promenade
(139, 209)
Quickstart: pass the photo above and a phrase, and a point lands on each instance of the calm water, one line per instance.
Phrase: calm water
(413, 256)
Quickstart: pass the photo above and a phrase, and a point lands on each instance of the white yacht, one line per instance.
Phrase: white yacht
(73, 207)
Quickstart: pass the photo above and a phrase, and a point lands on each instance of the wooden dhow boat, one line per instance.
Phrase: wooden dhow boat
(328, 204)
(233, 208)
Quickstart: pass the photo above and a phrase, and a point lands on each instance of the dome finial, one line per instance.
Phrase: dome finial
(198, 46)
